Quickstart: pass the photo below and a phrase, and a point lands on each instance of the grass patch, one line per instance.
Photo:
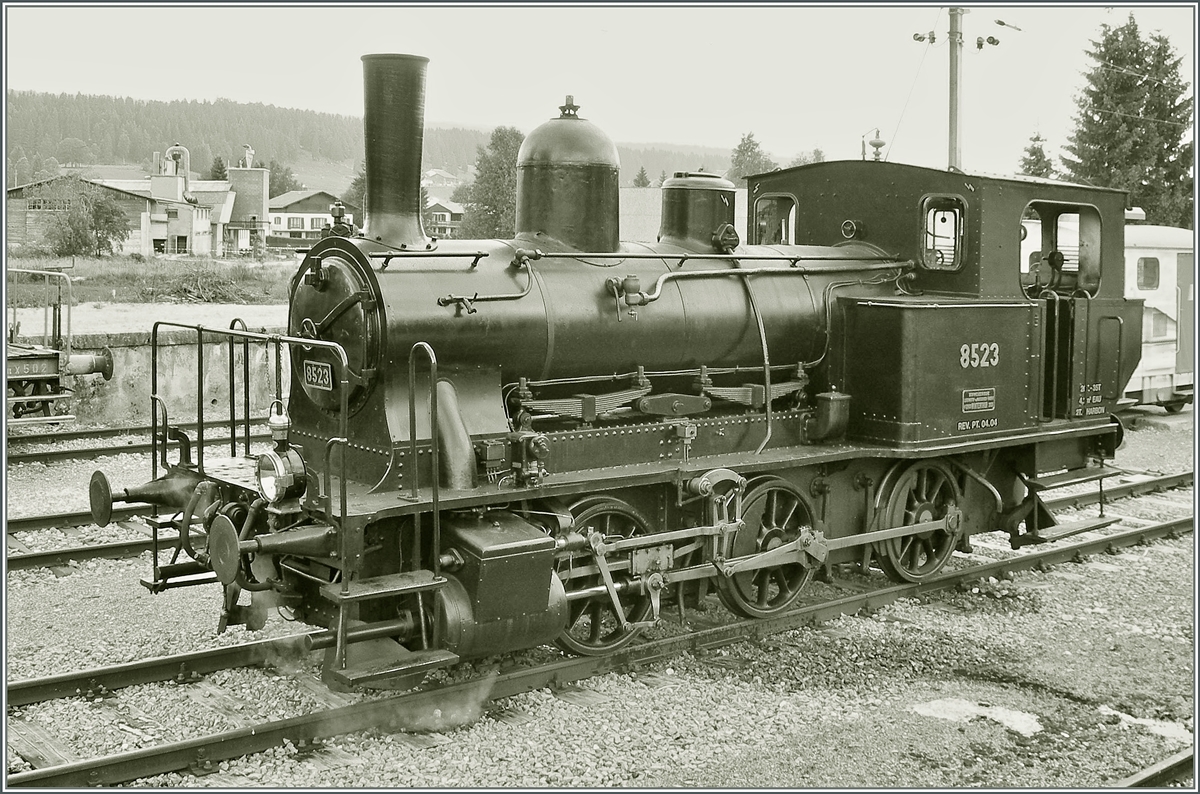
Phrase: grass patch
(135, 279)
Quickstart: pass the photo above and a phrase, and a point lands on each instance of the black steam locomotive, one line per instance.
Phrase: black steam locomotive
(494, 444)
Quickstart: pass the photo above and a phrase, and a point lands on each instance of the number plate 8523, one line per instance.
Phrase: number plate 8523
(318, 375)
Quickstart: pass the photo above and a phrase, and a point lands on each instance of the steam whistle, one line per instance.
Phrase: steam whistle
(91, 363)
(225, 550)
(173, 490)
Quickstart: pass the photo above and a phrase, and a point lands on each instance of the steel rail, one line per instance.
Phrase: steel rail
(90, 453)
(31, 523)
(61, 557)
(44, 559)
(312, 728)
(181, 668)
(90, 434)
(1124, 490)
(1179, 766)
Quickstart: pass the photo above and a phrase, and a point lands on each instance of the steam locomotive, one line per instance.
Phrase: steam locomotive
(490, 445)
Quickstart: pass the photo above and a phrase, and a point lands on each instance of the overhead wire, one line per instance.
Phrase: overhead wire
(912, 88)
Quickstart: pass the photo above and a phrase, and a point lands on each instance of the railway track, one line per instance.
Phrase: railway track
(101, 433)
(24, 560)
(202, 754)
(1175, 769)
(91, 453)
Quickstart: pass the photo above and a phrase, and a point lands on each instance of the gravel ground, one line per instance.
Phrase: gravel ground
(926, 693)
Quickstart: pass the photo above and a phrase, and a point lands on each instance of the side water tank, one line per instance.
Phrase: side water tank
(568, 187)
(698, 212)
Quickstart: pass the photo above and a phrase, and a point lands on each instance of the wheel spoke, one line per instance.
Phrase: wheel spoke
(596, 612)
(788, 518)
(937, 489)
(785, 588)
(762, 580)
(914, 555)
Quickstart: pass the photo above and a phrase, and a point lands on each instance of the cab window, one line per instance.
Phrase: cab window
(1062, 249)
(775, 220)
(944, 232)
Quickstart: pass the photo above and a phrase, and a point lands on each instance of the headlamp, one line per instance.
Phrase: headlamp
(281, 475)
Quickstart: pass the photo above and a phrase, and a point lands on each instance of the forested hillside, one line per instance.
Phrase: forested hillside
(51, 131)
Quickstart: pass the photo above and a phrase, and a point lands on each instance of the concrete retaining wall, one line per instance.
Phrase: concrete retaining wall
(125, 400)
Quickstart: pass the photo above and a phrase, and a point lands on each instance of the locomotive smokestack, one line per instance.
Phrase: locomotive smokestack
(393, 127)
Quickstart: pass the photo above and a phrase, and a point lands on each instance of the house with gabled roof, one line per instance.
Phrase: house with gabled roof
(156, 223)
(447, 217)
(301, 215)
(168, 211)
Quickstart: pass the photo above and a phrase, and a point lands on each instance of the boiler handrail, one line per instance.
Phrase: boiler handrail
(434, 449)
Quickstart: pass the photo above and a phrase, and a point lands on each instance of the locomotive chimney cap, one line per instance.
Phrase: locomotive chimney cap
(393, 55)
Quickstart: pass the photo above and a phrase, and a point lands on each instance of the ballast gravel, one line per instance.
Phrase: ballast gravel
(928, 692)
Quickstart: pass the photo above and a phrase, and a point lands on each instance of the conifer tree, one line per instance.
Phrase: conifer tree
(490, 202)
(1035, 162)
(1133, 115)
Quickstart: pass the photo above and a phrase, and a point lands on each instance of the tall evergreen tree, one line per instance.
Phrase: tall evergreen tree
(749, 158)
(662, 177)
(1035, 162)
(282, 179)
(1133, 115)
(356, 194)
(490, 205)
(218, 170)
(642, 179)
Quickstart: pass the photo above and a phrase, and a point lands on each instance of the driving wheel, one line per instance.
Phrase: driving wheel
(593, 624)
(774, 512)
(925, 491)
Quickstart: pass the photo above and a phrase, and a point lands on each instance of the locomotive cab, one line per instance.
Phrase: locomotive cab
(1010, 328)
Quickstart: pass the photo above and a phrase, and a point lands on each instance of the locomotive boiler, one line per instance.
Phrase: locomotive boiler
(494, 444)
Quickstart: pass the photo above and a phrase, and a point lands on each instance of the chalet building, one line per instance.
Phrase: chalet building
(301, 215)
(436, 177)
(447, 217)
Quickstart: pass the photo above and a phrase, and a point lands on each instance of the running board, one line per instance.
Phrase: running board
(1061, 531)
(409, 664)
(1074, 477)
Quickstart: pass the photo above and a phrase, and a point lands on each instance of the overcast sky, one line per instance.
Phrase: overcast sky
(796, 76)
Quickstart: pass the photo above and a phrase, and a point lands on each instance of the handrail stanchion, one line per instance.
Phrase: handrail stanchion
(200, 400)
(233, 325)
(433, 448)
(343, 423)
(155, 401)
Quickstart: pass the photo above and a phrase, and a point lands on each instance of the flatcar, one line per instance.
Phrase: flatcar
(37, 374)
(1160, 270)
(489, 445)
